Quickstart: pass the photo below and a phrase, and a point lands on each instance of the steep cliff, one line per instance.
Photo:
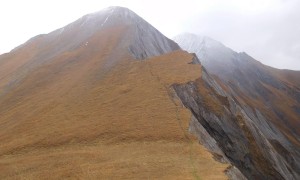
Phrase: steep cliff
(234, 112)
(275, 93)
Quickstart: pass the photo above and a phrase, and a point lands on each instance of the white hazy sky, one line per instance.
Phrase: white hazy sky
(268, 30)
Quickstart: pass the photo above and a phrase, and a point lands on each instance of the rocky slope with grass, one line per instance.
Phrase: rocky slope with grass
(108, 96)
(263, 103)
(95, 100)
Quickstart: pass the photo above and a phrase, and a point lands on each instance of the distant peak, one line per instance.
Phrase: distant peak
(198, 40)
(188, 35)
(196, 37)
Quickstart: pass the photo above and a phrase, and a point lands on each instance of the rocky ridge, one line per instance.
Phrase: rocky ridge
(248, 137)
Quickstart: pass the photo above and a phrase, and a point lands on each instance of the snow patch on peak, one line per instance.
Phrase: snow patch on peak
(112, 11)
(61, 30)
(116, 11)
(200, 45)
(108, 17)
(191, 41)
(210, 52)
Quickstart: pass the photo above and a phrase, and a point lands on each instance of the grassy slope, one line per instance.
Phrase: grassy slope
(124, 125)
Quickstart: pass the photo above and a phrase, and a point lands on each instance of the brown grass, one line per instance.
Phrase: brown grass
(212, 100)
(124, 124)
(257, 156)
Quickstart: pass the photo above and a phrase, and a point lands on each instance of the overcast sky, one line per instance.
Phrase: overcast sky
(268, 30)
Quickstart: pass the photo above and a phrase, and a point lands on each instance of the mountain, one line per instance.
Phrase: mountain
(270, 97)
(258, 85)
(93, 100)
(124, 31)
(110, 97)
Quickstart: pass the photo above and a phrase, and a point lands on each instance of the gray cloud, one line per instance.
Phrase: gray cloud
(272, 37)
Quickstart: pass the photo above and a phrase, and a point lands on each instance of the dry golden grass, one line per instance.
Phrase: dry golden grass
(137, 160)
(214, 104)
(78, 124)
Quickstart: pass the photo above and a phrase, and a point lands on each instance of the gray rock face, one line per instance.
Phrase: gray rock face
(211, 144)
(237, 134)
(247, 77)
(149, 42)
(264, 103)
(143, 39)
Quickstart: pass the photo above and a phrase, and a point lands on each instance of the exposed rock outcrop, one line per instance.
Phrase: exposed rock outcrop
(241, 136)
(259, 86)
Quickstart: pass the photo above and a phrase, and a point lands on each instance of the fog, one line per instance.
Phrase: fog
(268, 30)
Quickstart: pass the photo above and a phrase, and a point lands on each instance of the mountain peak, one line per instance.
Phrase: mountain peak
(139, 43)
(138, 38)
(198, 40)
(116, 12)
(109, 16)
(204, 46)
